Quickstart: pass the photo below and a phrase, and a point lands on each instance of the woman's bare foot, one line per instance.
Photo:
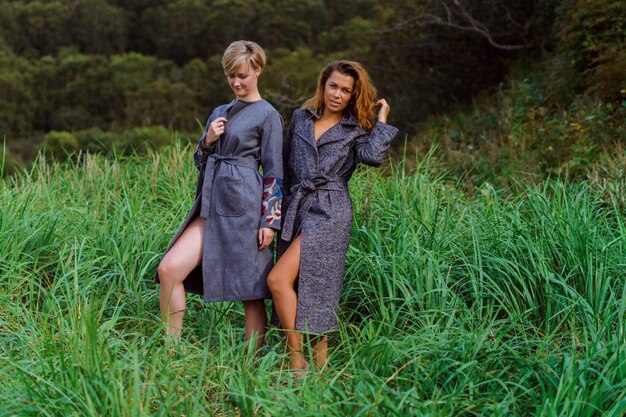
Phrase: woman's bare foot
(299, 365)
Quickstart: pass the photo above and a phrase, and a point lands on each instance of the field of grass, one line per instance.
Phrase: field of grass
(453, 305)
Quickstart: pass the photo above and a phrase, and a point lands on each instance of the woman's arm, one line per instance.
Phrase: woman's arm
(272, 163)
(371, 149)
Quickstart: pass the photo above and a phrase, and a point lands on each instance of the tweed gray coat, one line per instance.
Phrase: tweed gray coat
(317, 204)
(236, 201)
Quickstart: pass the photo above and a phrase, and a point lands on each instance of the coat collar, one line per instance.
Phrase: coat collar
(306, 131)
(224, 109)
(347, 117)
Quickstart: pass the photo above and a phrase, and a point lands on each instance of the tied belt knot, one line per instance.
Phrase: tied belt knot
(302, 192)
(212, 162)
(307, 186)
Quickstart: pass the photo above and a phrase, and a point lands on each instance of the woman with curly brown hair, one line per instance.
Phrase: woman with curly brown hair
(328, 136)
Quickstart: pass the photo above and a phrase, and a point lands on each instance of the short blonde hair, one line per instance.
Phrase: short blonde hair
(242, 53)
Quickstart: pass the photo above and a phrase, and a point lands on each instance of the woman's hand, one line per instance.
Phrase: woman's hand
(383, 112)
(266, 236)
(216, 128)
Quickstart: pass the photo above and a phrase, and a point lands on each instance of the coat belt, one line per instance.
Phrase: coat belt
(302, 193)
(213, 161)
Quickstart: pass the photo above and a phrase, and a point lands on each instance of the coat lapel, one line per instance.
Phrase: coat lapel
(234, 108)
(342, 131)
(305, 130)
(224, 112)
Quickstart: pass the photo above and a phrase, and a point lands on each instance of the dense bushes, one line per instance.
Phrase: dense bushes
(591, 49)
(557, 114)
(62, 144)
(517, 133)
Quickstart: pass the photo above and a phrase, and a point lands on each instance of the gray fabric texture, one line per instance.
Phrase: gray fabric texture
(317, 205)
(236, 200)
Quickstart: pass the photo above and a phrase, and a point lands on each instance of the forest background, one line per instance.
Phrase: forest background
(502, 90)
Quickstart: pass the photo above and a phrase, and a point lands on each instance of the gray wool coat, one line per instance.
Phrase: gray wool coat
(236, 200)
(317, 205)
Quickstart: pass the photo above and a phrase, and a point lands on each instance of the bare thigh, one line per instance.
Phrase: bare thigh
(285, 271)
(185, 254)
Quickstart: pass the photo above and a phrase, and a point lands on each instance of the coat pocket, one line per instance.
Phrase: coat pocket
(229, 196)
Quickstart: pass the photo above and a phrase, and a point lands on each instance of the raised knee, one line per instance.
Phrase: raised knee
(165, 270)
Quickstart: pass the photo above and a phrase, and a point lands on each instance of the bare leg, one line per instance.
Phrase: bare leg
(281, 281)
(320, 351)
(256, 321)
(177, 263)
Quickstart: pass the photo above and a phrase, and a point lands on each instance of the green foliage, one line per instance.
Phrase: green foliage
(453, 305)
(130, 71)
(517, 133)
(202, 79)
(185, 22)
(9, 162)
(590, 28)
(296, 25)
(95, 140)
(162, 103)
(71, 90)
(17, 101)
(607, 80)
(98, 27)
(347, 36)
(35, 28)
(291, 77)
(141, 139)
(60, 144)
(608, 175)
(17, 105)
(591, 40)
(426, 56)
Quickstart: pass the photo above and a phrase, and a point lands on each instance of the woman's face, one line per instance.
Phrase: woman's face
(243, 82)
(338, 92)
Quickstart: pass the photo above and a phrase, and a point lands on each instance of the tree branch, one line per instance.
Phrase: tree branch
(467, 24)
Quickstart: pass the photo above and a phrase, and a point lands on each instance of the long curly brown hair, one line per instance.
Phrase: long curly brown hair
(363, 94)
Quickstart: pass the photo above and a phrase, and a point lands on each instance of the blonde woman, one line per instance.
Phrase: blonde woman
(328, 136)
(223, 250)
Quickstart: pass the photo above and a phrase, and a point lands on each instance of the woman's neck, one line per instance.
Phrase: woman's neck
(329, 116)
(256, 96)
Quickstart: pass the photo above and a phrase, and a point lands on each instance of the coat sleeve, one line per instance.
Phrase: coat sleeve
(272, 164)
(371, 149)
(202, 151)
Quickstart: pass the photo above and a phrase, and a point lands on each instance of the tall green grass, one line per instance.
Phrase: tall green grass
(453, 305)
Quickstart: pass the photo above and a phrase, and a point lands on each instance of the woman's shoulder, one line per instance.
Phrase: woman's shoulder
(265, 106)
(267, 112)
(299, 114)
